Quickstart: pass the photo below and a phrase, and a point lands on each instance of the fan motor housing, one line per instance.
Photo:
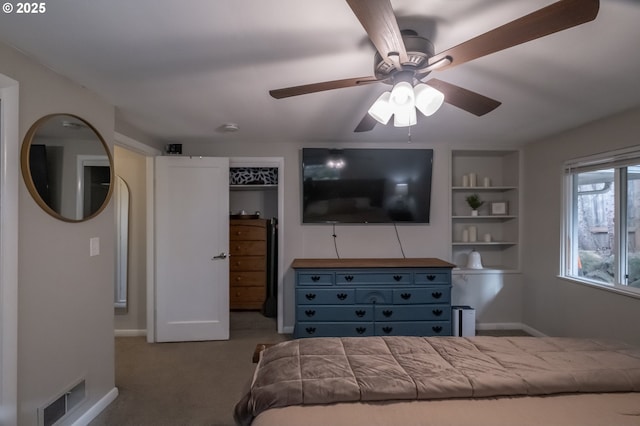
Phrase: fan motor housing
(419, 50)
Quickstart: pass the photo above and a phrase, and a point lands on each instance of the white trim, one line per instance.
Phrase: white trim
(9, 155)
(151, 244)
(130, 333)
(510, 326)
(150, 153)
(134, 145)
(97, 408)
(279, 163)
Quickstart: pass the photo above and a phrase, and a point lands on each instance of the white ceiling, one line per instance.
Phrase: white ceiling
(178, 70)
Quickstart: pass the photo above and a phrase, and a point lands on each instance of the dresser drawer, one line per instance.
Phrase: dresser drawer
(247, 294)
(315, 278)
(246, 232)
(248, 263)
(248, 278)
(412, 312)
(373, 278)
(421, 295)
(438, 276)
(373, 295)
(247, 248)
(413, 328)
(333, 329)
(325, 296)
(334, 313)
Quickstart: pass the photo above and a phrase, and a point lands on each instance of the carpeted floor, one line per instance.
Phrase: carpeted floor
(185, 384)
(190, 383)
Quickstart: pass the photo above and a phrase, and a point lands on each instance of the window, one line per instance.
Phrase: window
(602, 220)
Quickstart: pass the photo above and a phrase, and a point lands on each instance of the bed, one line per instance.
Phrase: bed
(444, 381)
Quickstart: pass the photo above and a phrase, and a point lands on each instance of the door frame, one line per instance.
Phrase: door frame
(277, 162)
(9, 189)
(149, 153)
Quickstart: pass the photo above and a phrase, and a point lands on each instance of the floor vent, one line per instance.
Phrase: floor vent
(61, 406)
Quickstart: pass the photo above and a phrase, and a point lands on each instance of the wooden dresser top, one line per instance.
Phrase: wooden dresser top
(371, 263)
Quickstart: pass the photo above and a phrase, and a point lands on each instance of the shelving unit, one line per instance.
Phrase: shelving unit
(500, 251)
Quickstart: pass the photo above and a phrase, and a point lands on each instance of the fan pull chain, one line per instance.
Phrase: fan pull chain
(409, 136)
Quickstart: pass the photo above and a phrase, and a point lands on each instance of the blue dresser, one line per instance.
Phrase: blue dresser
(372, 297)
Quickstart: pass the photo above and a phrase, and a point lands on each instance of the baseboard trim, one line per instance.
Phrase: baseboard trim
(130, 333)
(509, 326)
(97, 408)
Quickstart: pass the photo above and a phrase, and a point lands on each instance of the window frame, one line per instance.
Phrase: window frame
(617, 160)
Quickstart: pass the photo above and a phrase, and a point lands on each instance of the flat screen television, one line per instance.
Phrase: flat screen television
(362, 185)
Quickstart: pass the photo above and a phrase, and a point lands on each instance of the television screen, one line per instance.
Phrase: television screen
(366, 185)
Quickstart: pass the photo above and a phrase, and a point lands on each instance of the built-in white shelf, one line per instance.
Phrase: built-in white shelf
(501, 169)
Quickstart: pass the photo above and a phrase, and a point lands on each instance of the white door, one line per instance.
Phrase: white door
(192, 242)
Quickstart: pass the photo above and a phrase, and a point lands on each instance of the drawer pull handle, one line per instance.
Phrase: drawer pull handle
(387, 313)
(437, 312)
(436, 295)
(431, 277)
(406, 296)
(315, 278)
(397, 277)
(387, 329)
(310, 330)
(361, 330)
(310, 296)
(341, 296)
(437, 329)
(348, 278)
(310, 312)
(361, 313)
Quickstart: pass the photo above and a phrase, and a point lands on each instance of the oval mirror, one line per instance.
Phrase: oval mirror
(67, 167)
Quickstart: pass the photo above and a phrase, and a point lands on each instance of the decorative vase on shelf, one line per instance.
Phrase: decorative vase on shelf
(474, 212)
(474, 261)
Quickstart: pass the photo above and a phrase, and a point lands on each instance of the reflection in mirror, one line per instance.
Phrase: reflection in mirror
(122, 242)
(67, 167)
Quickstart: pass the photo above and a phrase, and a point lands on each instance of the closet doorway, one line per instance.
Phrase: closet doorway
(256, 205)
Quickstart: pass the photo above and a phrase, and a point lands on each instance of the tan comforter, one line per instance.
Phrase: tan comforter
(331, 370)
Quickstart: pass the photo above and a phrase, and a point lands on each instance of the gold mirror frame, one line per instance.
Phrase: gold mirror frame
(74, 123)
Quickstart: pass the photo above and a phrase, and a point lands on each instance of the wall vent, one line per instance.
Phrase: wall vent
(50, 414)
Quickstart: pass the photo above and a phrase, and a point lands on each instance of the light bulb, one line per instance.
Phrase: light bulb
(402, 95)
(381, 109)
(405, 117)
(428, 99)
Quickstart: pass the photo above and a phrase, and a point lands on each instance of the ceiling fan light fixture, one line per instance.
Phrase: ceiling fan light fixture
(405, 117)
(428, 100)
(381, 110)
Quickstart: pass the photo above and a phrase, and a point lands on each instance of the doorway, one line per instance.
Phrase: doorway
(9, 176)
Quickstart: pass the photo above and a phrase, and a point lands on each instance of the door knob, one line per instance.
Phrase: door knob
(222, 255)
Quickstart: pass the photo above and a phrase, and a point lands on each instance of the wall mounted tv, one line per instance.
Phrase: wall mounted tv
(366, 185)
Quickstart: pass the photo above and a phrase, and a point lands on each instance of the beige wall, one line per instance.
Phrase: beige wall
(131, 167)
(65, 309)
(554, 306)
(498, 299)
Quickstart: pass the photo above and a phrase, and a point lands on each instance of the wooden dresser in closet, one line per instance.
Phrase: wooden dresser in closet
(248, 263)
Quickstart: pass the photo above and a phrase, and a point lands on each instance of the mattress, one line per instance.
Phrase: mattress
(589, 409)
(391, 370)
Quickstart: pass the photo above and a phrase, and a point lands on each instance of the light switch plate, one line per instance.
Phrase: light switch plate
(94, 246)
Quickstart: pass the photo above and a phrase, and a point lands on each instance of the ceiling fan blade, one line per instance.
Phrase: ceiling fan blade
(556, 17)
(467, 100)
(319, 87)
(366, 124)
(379, 21)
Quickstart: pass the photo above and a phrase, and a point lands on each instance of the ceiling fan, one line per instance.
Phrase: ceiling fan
(403, 57)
